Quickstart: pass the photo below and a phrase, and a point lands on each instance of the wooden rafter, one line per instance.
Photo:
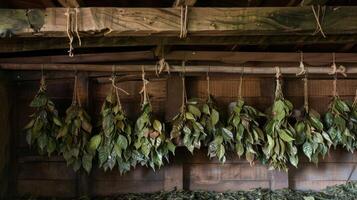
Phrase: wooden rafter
(35, 44)
(253, 69)
(260, 21)
(178, 3)
(71, 3)
(213, 56)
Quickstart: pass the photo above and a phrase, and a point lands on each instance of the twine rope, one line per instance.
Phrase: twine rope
(355, 100)
(278, 92)
(301, 66)
(162, 65)
(184, 94)
(143, 91)
(42, 81)
(183, 21)
(240, 85)
(76, 98)
(208, 83)
(318, 21)
(72, 28)
(306, 94)
(69, 31)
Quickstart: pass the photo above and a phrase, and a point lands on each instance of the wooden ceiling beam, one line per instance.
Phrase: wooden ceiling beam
(36, 44)
(269, 70)
(313, 2)
(71, 3)
(228, 57)
(261, 21)
(178, 3)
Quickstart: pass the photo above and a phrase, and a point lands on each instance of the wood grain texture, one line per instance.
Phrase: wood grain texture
(166, 21)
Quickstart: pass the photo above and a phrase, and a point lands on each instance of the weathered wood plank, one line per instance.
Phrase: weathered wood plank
(262, 69)
(45, 171)
(85, 58)
(40, 43)
(108, 188)
(46, 188)
(5, 137)
(166, 21)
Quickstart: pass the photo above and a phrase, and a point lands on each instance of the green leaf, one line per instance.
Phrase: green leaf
(285, 136)
(157, 126)
(95, 142)
(189, 116)
(194, 110)
(214, 117)
(307, 149)
(122, 142)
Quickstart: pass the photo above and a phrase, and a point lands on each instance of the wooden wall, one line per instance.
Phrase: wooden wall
(43, 176)
(4, 135)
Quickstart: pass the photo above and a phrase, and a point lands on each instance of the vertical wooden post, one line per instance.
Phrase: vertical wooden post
(173, 171)
(4, 137)
(83, 179)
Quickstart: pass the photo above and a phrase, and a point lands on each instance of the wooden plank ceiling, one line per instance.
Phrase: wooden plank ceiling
(286, 26)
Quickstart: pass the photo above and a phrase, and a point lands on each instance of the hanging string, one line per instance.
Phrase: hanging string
(43, 81)
(317, 18)
(72, 28)
(355, 100)
(278, 92)
(184, 94)
(69, 31)
(113, 80)
(145, 98)
(306, 94)
(74, 98)
(76, 26)
(240, 85)
(301, 66)
(334, 86)
(208, 83)
(335, 71)
(183, 22)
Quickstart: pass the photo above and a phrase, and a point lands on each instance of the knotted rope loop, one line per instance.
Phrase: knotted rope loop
(301, 66)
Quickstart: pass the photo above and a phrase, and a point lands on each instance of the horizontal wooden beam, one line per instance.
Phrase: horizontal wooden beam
(351, 69)
(112, 22)
(35, 44)
(84, 58)
(212, 56)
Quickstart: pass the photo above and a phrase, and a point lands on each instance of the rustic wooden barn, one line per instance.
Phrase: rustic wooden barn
(225, 38)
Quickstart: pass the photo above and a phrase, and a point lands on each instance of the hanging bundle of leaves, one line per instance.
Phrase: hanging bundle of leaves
(337, 122)
(113, 143)
(150, 142)
(186, 124)
(219, 138)
(310, 131)
(75, 134)
(352, 122)
(280, 147)
(243, 122)
(44, 124)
